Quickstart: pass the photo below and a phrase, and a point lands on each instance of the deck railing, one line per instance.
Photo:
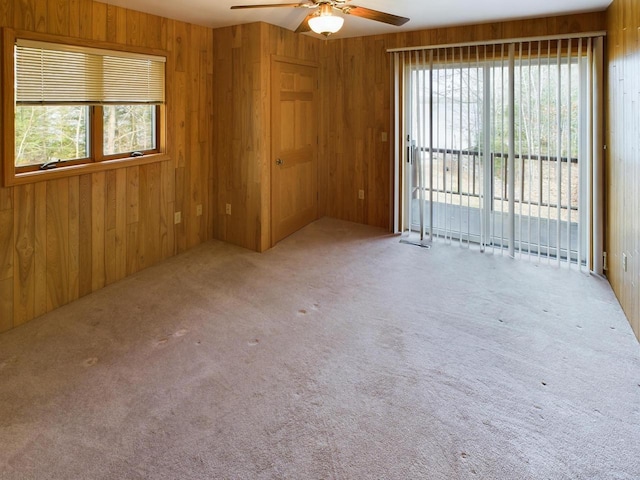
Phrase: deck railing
(526, 192)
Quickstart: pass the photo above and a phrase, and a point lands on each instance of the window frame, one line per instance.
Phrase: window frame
(97, 135)
(97, 160)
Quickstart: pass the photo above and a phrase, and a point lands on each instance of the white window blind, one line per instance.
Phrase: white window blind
(57, 74)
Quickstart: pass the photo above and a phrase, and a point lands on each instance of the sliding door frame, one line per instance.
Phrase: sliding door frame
(402, 170)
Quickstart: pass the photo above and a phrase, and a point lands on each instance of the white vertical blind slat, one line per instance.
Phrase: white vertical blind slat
(569, 156)
(503, 163)
(460, 146)
(548, 154)
(539, 151)
(530, 150)
(558, 151)
(431, 145)
(597, 146)
(417, 147)
(396, 204)
(487, 162)
(406, 145)
(511, 190)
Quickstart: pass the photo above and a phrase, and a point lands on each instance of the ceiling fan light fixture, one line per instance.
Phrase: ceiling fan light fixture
(325, 23)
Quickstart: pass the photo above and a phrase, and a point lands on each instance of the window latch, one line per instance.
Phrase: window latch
(52, 163)
(137, 154)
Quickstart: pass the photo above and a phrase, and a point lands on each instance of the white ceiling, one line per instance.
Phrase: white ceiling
(423, 13)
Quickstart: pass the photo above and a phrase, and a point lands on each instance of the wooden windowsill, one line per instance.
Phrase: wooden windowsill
(81, 169)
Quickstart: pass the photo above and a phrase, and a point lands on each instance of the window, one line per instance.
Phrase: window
(45, 132)
(128, 128)
(78, 106)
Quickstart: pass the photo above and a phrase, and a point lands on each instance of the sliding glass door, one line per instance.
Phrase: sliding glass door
(498, 146)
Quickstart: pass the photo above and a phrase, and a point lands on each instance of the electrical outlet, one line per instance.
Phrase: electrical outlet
(228, 209)
(624, 261)
(383, 136)
(177, 217)
(198, 210)
(361, 194)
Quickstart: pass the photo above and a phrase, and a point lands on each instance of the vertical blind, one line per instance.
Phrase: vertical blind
(50, 73)
(500, 145)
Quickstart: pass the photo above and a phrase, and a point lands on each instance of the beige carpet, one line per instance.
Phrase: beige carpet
(339, 354)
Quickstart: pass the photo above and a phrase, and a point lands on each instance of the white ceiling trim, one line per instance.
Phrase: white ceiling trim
(424, 14)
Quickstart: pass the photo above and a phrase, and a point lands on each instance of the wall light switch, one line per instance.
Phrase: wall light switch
(384, 136)
(361, 194)
(198, 210)
(625, 261)
(228, 209)
(177, 217)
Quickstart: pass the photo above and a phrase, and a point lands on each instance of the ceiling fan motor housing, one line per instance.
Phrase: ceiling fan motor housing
(324, 21)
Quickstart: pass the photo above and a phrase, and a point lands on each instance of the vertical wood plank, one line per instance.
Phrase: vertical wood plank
(24, 15)
(149, 225)
(168, 143)
(57, 243)
(6, 263)
(110, 200)
(110, 227)
(180, 119)
(121, 25)
(112, 23)
(99, 21)
(134, 28)
(85, 236)
(6, 244)
(40, 253)
(195, 179)
(121, 224)
(144, 220)
(167, 182)
(85, 19)
(85, 273)
(6, 304)
(6, 12)
(133, 201)
(74, 17)
(41, 16)
(24, 265)
(74, 238)
(58, 17)
(153, 34)
(180, 46)
(98, 187)
(180, 237)
(622, 163)
(133, 197)
(133, 254)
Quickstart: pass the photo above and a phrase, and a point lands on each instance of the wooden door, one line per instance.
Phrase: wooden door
(294, 147)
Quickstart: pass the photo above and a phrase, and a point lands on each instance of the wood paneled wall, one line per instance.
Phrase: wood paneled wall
(62, 239)
(242, 133)
(622, 167)
(356, 89)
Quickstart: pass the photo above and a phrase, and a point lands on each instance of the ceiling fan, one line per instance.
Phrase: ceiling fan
(324, 21)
